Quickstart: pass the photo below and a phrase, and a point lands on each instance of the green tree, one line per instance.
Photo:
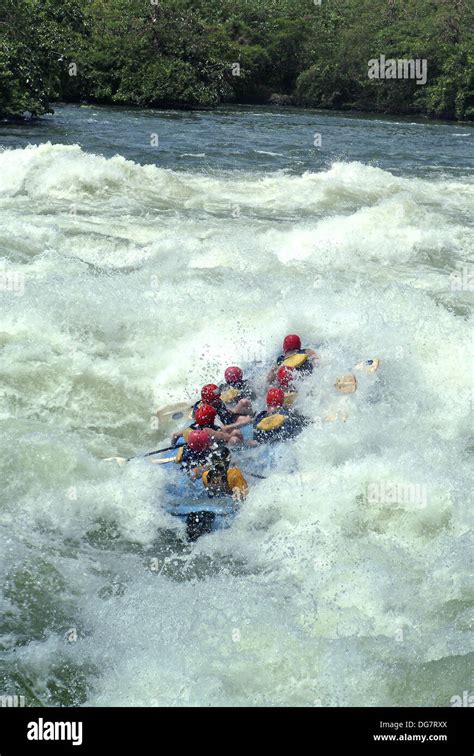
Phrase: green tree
(199, 53)
(36, 39)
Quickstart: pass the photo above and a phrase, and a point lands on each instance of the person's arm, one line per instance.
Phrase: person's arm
(220, 435)
(243, 420)
(197, 472)
(243, 407)
(231, 419)
(312, 354)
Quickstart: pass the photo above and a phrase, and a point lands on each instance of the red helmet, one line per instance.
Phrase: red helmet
(285, 375)
(275, 397)
(233, 374)
(205, 415)
(291, 342)
(210, 393)
(198, 440)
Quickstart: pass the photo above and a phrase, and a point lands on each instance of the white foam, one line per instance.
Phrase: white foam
(149, 287)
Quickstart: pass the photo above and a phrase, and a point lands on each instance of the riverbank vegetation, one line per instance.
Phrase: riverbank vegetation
(201, 53)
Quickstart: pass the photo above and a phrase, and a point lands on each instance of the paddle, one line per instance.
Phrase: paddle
(163, 461)
(347, 384)
(123, 460)
(173, 412)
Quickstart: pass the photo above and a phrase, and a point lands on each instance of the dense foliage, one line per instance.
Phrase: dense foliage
(195, 53)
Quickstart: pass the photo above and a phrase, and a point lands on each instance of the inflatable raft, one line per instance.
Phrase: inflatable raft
(188, 499)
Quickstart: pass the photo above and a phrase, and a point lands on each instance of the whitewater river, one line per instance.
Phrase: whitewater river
(143, 252)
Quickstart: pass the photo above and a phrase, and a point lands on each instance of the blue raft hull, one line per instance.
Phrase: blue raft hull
(185, 497)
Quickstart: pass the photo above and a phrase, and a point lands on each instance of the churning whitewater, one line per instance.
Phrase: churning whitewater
(125, 287)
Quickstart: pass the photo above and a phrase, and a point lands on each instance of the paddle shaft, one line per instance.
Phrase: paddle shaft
(150, 454)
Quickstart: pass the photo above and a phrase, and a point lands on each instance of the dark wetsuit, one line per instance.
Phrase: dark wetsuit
(305, 369)
(192, 459)
(217, 484)
(293, 424)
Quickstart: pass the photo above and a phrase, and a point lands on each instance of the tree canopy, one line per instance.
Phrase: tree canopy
(200, 53)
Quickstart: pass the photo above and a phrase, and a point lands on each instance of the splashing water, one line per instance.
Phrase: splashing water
(125, 286)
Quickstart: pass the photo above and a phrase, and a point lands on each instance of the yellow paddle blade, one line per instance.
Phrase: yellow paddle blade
(368, 366)
(173, 412)
(347, 384)
(171, 417)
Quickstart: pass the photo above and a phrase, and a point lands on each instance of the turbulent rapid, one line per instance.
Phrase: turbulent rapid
(128, 281)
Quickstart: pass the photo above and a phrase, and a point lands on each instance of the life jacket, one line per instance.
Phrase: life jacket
(217, 485)
(299, 361)
(231, 394)
(278, 425)
(268, 422)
